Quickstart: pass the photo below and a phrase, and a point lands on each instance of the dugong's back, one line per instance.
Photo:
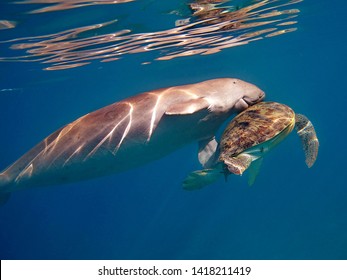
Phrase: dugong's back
(96, 144)
(129, 133)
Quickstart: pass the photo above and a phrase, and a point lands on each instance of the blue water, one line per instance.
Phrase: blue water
(291, 212)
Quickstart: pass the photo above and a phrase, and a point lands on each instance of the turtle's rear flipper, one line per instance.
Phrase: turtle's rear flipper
(308, 138)
(254, 171)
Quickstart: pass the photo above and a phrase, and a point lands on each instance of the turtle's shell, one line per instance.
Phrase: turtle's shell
(257, 124)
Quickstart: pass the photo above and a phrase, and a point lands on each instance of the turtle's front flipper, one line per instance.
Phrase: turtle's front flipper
(201, 178)
(308, 138)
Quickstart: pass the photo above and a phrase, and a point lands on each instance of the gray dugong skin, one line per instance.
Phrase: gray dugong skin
(130, 133)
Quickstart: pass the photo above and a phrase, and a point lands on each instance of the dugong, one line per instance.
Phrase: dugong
(131, 132)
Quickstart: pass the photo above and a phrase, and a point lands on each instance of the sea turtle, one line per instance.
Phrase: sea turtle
(248, 137)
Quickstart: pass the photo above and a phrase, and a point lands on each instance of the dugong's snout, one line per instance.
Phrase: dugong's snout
(255, 98)
(251, 96)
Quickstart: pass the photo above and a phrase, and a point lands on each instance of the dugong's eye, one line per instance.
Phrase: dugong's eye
(234, 82)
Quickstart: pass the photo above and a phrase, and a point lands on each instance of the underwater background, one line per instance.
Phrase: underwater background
(60, 61)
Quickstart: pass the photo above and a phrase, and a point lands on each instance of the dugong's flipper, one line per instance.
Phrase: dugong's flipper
(208, 152)
(308, 138)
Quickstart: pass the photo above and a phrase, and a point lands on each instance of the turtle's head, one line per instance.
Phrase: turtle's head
(249, 95)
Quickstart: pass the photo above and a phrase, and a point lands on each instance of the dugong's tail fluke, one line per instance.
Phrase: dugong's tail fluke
(4, 196)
